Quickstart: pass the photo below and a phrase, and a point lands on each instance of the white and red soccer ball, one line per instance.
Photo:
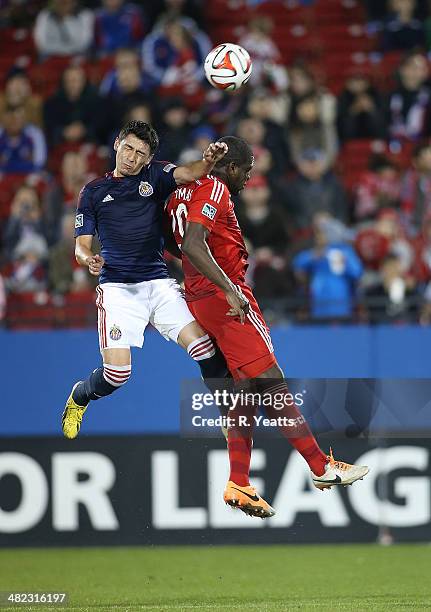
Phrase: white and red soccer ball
(228, 67)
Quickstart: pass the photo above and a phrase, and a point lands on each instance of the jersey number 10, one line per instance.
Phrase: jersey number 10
(179, 218)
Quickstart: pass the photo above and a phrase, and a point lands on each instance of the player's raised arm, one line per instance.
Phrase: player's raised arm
(196, 249)
(195, 170)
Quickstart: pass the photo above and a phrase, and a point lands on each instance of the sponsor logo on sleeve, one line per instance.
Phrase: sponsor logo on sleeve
(145, 189)
(79, 220)
(209, 211)
(168, 167)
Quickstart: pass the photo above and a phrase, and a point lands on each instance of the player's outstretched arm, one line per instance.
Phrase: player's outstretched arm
(195, 170)
(85, 256)
(195, 247)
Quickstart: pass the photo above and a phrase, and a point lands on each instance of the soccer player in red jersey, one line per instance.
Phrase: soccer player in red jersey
(214, 260)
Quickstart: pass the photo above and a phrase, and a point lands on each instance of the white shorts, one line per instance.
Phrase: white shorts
(124, 311)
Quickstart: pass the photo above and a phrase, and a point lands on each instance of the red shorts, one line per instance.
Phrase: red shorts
(247, 348)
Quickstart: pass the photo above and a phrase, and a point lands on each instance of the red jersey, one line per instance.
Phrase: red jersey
(207, 201)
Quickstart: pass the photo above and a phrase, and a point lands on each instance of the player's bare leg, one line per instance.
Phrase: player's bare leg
(103, 381)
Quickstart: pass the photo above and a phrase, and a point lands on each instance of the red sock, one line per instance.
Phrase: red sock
(311, 452)
(299, 436)
(239, 458)
(239, 444)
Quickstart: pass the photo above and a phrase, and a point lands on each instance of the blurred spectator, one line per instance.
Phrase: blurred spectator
(124, 59)
(268, 66)
(409, 103)
(118, 25)
(22, 145)
(262, 225)
(315, 189)
(386, 236)
(222, 111)
(401, 31)
(301, 84)
(265, 231)
(18, 92)
(62, 196)
(378, 188)
(416, 188)
(174, 55)
(394, 298)
(259, 107)
(360, 113)
(139, 112)
(253, 131)
(19, 13)
(25, 221)
(312, 129)
(189, 12)
(267, 105)
(132, 89)
(421, 268)
(389, 225)
(28, 266)
(331, 270)
(174, 131)
(65, 275)
(200, 138)
(63, 29)
(73, 114)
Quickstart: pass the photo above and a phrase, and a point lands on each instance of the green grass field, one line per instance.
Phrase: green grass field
(266, 578)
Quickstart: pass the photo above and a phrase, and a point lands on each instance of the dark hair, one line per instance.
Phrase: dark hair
(239, 152)
(407, 57)
(143, 131)
(379, 161)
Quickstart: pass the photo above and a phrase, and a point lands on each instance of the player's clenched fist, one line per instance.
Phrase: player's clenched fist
(215, 152)
(95, 264)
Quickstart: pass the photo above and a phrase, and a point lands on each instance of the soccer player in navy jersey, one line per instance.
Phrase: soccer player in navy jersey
(125, 209)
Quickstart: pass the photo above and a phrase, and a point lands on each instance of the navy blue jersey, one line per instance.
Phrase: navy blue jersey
(126, 213)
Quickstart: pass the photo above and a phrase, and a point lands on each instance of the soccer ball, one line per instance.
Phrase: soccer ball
(228, 67)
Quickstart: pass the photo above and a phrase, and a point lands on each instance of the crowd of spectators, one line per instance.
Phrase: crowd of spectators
(322, 248)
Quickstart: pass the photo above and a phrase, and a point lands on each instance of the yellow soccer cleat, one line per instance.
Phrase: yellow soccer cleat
(247, 500)
(72, 416)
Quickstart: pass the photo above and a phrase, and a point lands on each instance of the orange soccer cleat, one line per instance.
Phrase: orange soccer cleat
(247, 500)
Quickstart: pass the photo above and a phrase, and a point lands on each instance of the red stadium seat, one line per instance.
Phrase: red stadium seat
(18, 40)
(46, 76)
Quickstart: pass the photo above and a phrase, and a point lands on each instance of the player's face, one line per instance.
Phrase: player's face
(239, 177)
(132, 155)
